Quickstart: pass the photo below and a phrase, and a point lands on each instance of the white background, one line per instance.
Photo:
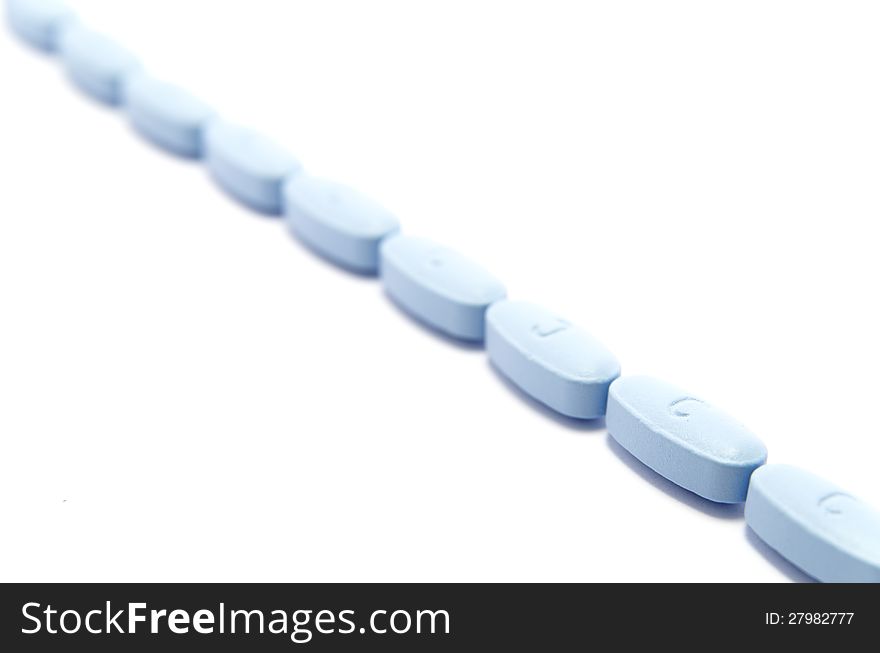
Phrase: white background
(187, 394)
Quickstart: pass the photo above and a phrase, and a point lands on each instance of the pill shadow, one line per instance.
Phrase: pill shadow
(271, 215)
(342, 269)
(85, 97)
(571, 423)
(23, 45)
(154, 145)
(711, 508)
(464, 345)
(787, 569)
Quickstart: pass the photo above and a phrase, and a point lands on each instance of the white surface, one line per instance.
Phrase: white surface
(188, 394)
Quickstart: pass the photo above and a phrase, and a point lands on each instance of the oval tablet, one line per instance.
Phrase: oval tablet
(555, 362)
(337, 222)
(167, 115)
(249, 166)
(96, 64)
(829, 534)
(38, 22)
(683, 438)
(438, 285)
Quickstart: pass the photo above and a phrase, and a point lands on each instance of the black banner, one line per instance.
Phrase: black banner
(428, 617)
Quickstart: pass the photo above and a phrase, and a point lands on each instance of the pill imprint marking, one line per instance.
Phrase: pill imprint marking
(685, 407)
(835, 503)
(548, 328)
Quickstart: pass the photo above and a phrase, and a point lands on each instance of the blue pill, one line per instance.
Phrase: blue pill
(96, 64)
(249, 166)
(167, 115)
(683, 438)
(337, 222)
(550, 359)
(438, 286)
(39, 22)
(831, 535)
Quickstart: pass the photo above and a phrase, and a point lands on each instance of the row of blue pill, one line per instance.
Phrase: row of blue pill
(826, 532)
